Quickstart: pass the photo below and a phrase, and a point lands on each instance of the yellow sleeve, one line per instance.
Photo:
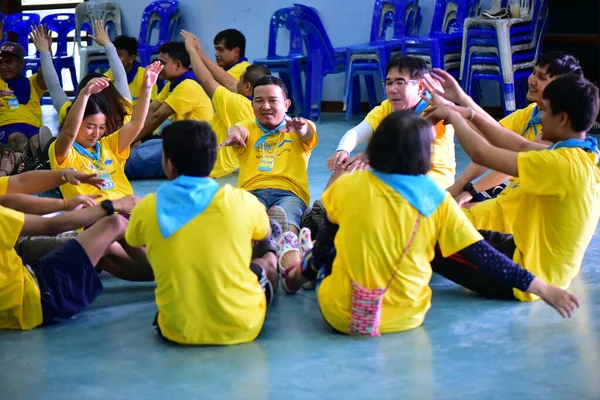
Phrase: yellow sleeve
(186, 96)
(455, 230)
(312, 143)
(232, 107)
(237, 70)
(62, 113)
(11, 225)
(257, 210)
(112, 141)
(516, 121)
(331, 197)
(376, 115)
(134, 234)
(252, 136)
(3, 185)
(109, 75)
(35, 86)
(154, 92)
(68, 162)
(162, 96)
(543, 172)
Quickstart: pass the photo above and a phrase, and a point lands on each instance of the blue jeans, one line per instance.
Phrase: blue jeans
(293, 205)
(145, 161)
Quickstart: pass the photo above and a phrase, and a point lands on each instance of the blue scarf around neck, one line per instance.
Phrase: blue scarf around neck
(268, 132)
(589, 144)
(241, 60)
(533, 121)
(134, 70)
(422, 192)
(422, 105)
(181, 200)
(21, 88)
(181, 78)
(86, 153)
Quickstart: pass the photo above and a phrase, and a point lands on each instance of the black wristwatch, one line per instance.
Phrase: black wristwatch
(107, 205)
(471, 189)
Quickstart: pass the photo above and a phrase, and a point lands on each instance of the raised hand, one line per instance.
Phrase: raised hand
(78, 178)
(451, 88)
(151, 74)
(235, 137)
(445, 113)
(96, 85)
(337, 159)
(436, 91)
(294, 125)
(39, 37)
(101, 33)
(79, 202)
(191, 42)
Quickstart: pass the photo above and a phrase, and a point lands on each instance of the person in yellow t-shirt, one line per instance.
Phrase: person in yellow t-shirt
(526, 122)
(558, 211)
(20, 109)
(373, 259)
(80, 143)
(230, 52)
(403, 87)
(127, 48)
(64, 282)
(231, 106)
(182, 98)
(274, 151)
(210, 287)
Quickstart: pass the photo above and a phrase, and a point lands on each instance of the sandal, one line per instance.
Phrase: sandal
(286, 243)
(277, 213)
(306, 245)
(276, 232)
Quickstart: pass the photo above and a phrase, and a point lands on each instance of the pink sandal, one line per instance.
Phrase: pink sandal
(286, 243)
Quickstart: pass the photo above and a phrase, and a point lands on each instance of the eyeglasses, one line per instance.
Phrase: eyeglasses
(400, 82)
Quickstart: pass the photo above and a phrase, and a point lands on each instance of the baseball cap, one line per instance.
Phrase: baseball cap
(12, 48)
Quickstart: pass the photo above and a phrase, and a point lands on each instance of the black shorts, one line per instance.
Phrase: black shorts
(67, 280)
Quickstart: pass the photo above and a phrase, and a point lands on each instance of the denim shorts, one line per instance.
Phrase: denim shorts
(293, 205)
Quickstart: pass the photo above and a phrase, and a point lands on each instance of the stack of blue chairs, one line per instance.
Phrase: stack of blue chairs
(20, 24)
(62, 24)
(482, 58)
(162, 15)
(291, 65)
(370, 59)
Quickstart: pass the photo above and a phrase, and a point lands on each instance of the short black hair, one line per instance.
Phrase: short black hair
(271, 80)
(414, 66)
(576, 97)
(559, 63)
(191, 146)
(127, 43)
(401, 144)
(254, 73)
(177, 51)
(233, 38)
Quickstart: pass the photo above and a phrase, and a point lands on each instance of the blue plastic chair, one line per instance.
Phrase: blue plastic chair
(20, 24)
(162, 15)
(322, 59)
(290, 66)
(62, 24)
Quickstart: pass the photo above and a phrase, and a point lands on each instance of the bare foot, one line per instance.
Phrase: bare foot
(7, 163)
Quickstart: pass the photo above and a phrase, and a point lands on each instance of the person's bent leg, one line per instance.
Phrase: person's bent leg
(145, 161)
(293, 206)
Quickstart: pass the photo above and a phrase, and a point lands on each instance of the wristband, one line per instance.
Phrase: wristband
(471, 189)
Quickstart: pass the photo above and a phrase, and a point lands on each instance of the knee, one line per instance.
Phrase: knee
(115, 224)
(17, 141)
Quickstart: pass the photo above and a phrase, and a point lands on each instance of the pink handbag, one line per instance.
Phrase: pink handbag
(366, 303)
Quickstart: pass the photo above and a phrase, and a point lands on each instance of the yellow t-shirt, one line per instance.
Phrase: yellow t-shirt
(230, 108)
(443, 159)
(3, 185)
(205, 290)
(291, 161)
(20, 302)
(135, 86)
(558, 213)
(499, 213)
(112, 162)
(11, 112)
(375, 225)
(188, 100)
(62, 113)
(238, 69)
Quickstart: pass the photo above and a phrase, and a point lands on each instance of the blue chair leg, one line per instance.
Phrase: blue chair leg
(508, 90)
(350, 96)
(285, 77)
(356, 98)
(521, 93)
(371, 91)
(314, 86)
(296, 90)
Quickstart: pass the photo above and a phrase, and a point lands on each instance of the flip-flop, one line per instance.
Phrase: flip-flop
(276, 232)
(305, 242)
(286, 243)
(277, 213)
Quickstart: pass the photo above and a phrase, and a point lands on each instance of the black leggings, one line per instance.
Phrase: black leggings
(457, 269)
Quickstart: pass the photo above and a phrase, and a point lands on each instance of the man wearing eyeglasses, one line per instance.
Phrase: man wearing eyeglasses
(403, 87)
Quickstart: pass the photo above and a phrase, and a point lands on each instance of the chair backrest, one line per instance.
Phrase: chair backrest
(20, 24)
(62, 24)
(86, 13)
(162, 15)
(315, 36)
(393, 14)
(285, 19)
